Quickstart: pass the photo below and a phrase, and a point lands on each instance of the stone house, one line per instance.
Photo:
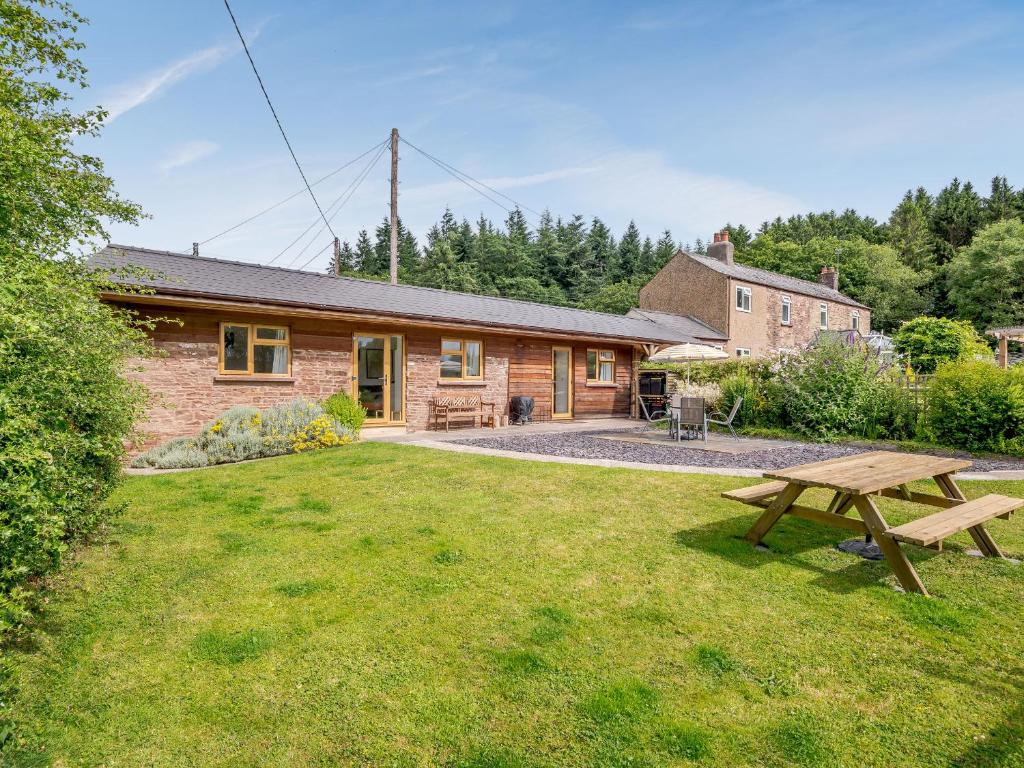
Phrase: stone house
(755, 312)
(244, 334)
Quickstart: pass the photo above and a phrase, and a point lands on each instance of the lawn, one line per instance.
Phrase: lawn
(391, 605)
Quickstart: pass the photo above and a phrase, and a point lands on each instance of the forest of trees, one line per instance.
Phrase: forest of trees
(954, 254)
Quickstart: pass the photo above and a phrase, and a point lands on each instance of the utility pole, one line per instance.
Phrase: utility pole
(394, 206)
(337, 256)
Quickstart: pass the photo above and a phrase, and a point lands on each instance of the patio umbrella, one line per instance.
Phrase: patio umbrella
(687, 353)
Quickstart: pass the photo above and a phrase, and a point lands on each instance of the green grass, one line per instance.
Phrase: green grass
(388, 605)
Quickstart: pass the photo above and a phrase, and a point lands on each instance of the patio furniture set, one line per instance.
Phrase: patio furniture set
(686, 416)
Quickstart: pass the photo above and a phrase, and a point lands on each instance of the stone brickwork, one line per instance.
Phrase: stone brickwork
(187, 391)
(684, 287)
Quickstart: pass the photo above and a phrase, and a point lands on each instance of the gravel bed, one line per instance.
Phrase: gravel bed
(587, 445)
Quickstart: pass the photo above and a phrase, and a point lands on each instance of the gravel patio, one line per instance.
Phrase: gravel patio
(623, 445)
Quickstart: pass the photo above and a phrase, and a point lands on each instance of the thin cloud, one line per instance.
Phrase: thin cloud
(416, 74)
(127, 96)
(187, 153)
(446, 190)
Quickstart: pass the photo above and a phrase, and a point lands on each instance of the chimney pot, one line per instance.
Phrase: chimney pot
(829, 277)
(725, 236)
(721, 248)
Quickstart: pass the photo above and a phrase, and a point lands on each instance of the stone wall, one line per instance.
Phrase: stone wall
(686, 287)
(187, 391)
(761, 330)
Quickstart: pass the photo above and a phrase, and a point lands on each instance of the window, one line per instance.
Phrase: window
(855, 320)
(462, 359)
(742, 352)
(823, 316)
(255, 350)
(742, 298)
(787, 310)
(601, 365)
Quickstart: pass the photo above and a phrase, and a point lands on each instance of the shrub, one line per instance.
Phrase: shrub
(346, 411)
(830, 389)
(712, 393)
(242, 433)
(65, 415)
(927, 341)
(741, 385)
(977, 406)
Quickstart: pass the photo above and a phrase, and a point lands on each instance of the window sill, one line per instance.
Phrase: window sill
(222, 379)
(605, 384)
(460, 383)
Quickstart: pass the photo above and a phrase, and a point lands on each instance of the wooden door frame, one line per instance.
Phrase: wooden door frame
(388, 378)
(572, 381)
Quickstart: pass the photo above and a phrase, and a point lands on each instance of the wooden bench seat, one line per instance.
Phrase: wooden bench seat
(930, 530)
(451, 408)
(755, 494)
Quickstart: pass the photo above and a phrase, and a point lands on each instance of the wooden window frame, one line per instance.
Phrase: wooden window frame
(855, 319)
(823, 311)
(250, 350)
(786, 314)
(462, 357)
(741, 350)
(596, 379)
(742, 292)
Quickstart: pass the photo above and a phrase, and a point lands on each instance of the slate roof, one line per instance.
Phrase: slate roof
(685, 324)
(199, 276)
(774, 280)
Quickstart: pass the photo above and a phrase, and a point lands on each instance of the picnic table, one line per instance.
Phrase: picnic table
(855, 479)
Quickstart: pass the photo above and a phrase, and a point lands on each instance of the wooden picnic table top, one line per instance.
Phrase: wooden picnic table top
(870, 472)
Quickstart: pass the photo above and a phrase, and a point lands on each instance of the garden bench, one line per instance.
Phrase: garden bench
(460, 407)
(969, 516)
(855, 480)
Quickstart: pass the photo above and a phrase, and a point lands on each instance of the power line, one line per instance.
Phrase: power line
(355, 182)
(452, 170)
(354, 187)
(278, 204)
(303, 233)
(274, 113)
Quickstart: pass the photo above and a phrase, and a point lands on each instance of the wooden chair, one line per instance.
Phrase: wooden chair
(460, 407)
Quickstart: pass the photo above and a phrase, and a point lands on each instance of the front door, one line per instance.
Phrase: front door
(561, 382)
(378, 382)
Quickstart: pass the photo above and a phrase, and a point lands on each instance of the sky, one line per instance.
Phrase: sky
(679, 116)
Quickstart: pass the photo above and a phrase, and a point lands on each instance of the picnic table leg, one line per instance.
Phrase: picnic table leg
(775, 510)
(981, 537)
(901, 566)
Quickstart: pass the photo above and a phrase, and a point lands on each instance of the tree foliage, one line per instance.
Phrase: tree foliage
(925, 342)
(65, 408)
(986, 279)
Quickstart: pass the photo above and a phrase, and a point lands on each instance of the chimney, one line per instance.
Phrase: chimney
(829, 277)
(721, 248)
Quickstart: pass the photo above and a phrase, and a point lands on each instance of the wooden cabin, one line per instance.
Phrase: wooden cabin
(244, 334)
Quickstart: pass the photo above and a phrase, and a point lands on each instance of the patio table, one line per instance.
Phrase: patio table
(855, 479)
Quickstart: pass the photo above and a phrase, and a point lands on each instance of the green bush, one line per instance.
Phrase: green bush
(243, 432)
(977, 406)
(65, 415)
(927, 341)
(741, 385)
(345, 410)
(833, 389)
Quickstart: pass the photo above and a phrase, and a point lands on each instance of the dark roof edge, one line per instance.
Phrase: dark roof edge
(230, 299)
(842, 298)
(324, 276)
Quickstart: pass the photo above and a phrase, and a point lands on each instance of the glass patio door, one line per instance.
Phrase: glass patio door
(378, 381)
(561, 382)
